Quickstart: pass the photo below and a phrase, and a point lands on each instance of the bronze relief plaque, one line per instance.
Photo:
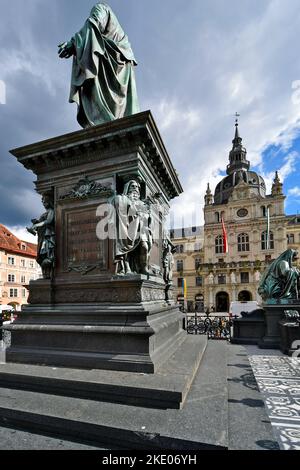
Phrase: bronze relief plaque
(84, 251)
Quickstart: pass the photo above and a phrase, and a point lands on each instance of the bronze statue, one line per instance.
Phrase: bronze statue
(281, 279)
(44, 227)
(131, 221)
(168, 263)
(103, 80)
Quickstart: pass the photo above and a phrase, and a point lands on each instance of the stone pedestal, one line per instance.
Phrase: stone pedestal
(86, 316)
(289, 336)
(249, 329)
(274, 313)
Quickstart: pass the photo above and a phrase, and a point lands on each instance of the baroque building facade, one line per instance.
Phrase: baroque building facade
(189, 259)
(18, 267)
(257, 232)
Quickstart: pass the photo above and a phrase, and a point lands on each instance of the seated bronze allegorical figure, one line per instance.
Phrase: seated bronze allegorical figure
(280, 283)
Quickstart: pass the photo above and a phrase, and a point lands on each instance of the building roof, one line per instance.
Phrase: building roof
(294, 219)
(12, 244)
(187, 232)
(238, 171)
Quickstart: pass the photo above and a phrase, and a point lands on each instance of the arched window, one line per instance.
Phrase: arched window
(179, 249)
(219, 244)
(217, 217)
(290, 239)
(264, 241)
(179, 265)
(243, 242)
(263, 211)
(245, 296)
(198, 263)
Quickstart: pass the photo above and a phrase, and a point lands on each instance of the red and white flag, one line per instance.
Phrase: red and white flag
(225, 237)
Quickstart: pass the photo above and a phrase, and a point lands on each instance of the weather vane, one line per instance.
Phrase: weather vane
(237, 115)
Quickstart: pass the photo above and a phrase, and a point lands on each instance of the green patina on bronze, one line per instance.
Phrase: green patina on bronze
(103, 80)
(280, 283)
(131, 223)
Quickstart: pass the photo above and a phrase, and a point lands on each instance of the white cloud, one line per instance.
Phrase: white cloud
(2, 92)
(22, 234)
(246, 68)
(285, 170)
(294, 191)
(289, 165)
(222, 64)
(173, 114)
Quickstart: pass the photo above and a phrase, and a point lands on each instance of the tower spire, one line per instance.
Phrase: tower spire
(237, 139)
(208, 196)
(277, 186)
(238, 154)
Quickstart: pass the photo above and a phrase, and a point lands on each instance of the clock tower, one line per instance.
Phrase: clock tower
(255, 228)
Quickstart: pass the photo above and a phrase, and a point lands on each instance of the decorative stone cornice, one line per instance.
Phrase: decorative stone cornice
(134, 133)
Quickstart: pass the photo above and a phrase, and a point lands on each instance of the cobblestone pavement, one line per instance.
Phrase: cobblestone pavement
(278, 378)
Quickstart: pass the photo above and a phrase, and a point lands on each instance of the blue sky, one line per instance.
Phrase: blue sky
(200, 61)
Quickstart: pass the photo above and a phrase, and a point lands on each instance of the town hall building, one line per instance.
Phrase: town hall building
(256, 229)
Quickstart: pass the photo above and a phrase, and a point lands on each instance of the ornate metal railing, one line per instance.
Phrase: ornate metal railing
(215, 327)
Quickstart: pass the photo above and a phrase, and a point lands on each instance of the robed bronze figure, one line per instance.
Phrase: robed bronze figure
(281, 279)
(103, 80)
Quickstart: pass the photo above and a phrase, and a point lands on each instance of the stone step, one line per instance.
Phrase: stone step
(168, 388)
(99, 424)
(201, 424)
(223, 410)
(12, 439)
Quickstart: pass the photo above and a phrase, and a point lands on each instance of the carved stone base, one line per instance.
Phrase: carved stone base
(273, 315)
(289, 337)
(249, 329)
(118, 290)
(86, 316)
(118, 338)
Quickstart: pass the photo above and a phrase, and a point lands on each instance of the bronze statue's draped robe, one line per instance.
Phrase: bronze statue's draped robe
(280, 280)
(131, 223)
(103, 80)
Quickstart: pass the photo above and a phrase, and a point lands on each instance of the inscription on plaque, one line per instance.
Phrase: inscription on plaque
(85, 252)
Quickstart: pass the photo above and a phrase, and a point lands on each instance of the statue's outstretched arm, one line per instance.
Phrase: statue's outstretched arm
(66, 49)
(100, 14)
(48, 220)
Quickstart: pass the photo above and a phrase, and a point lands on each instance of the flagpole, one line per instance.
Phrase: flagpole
(225, 239)
(268, 228)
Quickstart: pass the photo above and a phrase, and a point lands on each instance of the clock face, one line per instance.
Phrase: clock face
(242, 213)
